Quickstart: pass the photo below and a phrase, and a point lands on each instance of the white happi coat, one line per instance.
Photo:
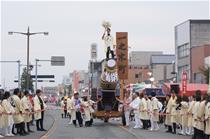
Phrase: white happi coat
(18, 118)
(37, 107)
(6, 118)
(26, 109)
(207, 119)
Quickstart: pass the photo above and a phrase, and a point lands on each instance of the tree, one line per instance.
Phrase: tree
(205, 72)
(24, 83)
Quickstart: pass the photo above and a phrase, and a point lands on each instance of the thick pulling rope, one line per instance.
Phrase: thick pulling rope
(60, 108)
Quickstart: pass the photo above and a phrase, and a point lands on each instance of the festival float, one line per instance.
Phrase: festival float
(107, 105)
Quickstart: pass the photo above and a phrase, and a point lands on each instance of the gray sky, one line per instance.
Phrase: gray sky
(73, 26)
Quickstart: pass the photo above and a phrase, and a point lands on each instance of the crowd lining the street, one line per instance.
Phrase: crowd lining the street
(19, 111)
(189, 115)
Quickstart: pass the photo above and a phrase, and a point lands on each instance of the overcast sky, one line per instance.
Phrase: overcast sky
(73, 26)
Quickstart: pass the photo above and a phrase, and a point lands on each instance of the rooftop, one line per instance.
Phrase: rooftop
(162, 59)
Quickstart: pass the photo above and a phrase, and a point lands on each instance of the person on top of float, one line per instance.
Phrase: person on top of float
(108, 40)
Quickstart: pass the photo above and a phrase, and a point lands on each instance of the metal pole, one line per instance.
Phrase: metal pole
(27, 68)
(19, 81)
(92, 66)
(36, 74)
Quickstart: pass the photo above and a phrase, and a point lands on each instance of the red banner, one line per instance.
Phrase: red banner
(184, 82)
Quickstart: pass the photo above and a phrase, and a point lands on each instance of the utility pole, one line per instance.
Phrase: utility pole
(28, 34)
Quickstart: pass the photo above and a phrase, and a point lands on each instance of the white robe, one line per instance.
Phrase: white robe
(37, 107)
(26, 109)
(18, 118)
(135, 104)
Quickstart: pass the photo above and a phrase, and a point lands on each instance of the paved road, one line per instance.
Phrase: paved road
(60, 129)
(101, 130)
(146, 134)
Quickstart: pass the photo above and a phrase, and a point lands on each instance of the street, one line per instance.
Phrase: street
(140, 68)
(59, 128)
(101, 130)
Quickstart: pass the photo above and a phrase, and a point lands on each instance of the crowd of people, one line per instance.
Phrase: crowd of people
(191, 115)
(19, 111)
(80, 111)
(179, 114)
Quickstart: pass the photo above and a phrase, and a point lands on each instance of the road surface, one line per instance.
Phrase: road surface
(59, 128)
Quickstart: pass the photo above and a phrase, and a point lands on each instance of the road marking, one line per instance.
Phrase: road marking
(125, 129)
(51, 130)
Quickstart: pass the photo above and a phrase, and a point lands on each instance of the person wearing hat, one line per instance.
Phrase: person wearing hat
(109, 43)
(135, 106)
(39, 107)
(18, 117)
(207, 117)
(75, 110)
(27, 108)
(154, 112)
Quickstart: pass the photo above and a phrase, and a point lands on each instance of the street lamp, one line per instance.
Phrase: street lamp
(152, 79)
(28, 34)
(149, 73)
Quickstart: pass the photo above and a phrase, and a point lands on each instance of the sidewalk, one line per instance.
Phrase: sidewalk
(48, 122)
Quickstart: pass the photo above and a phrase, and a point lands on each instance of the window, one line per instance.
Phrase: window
(136, 76)
(140, 75)
(183, 50)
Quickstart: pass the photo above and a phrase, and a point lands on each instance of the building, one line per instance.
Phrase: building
(79, 80)
(139, 65)
(141, 58)
(162, 67)
(137, 74)
(189, 34)
(198, 63)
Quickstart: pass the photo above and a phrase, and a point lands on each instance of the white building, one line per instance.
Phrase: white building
(162, 67)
